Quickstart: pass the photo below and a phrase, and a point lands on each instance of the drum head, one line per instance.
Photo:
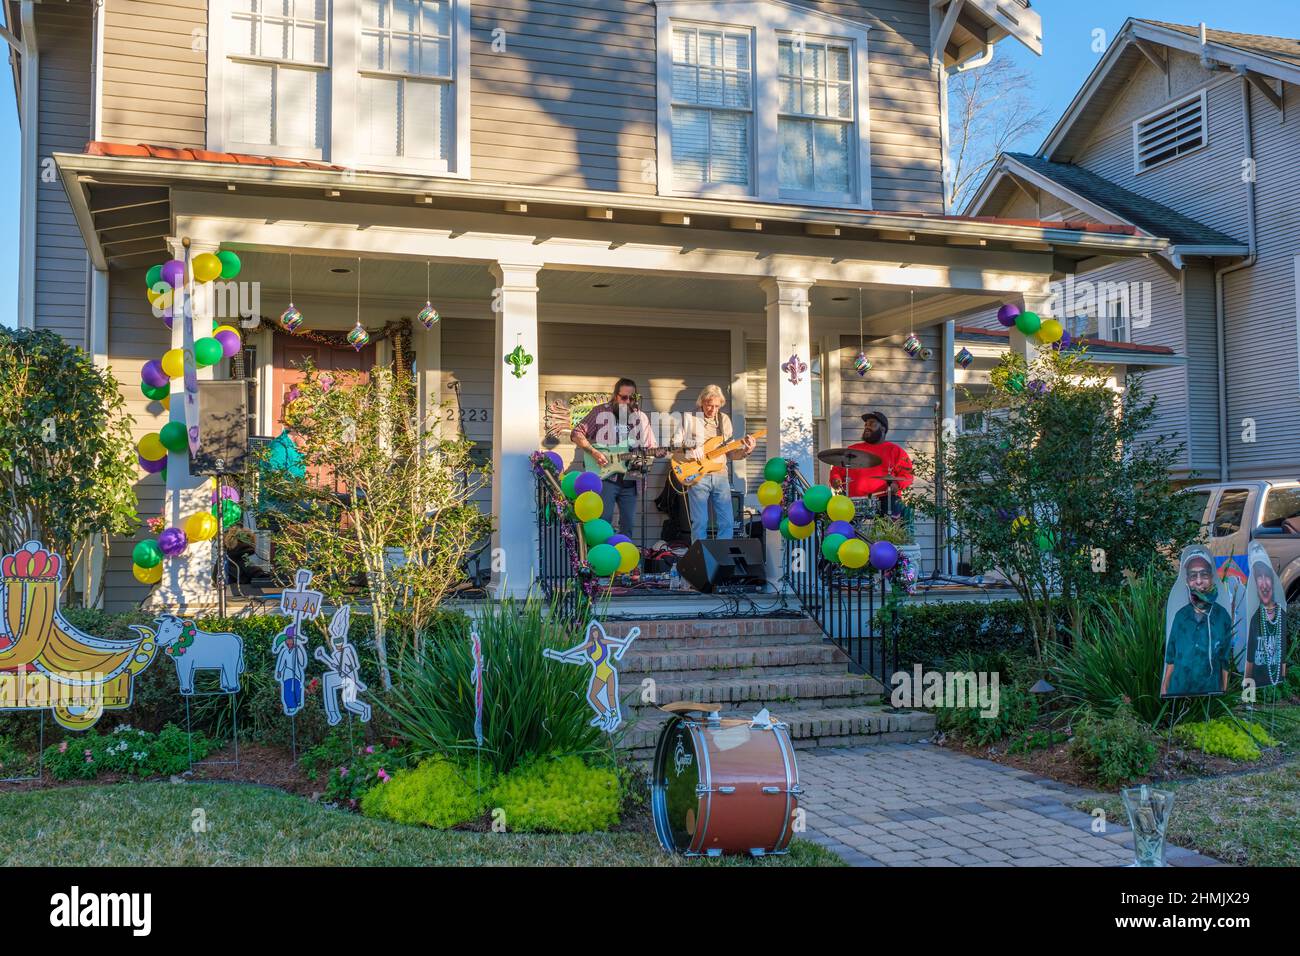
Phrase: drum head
(676, 775)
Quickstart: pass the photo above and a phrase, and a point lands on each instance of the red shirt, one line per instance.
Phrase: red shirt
(866, 481)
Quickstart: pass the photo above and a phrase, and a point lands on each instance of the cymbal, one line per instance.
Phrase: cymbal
(848, 458)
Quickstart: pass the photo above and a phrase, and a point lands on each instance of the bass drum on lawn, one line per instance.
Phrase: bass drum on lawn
(723, 786)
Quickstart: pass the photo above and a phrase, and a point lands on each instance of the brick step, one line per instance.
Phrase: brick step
(751, 694)
(829, 727)
(717, 641)
(722, 662)
(715, 627)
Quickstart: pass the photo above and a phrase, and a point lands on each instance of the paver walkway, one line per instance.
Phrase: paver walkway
(921, 805)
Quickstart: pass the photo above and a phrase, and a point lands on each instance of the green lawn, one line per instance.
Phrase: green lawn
(1249, 820)
(153, 824)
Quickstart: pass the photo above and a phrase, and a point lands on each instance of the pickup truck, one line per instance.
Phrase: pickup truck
(1236, 513)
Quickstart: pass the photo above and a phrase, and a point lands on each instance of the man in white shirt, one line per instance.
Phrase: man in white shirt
(710, 491)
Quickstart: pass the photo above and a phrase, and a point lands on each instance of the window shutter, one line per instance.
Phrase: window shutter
(755, 410)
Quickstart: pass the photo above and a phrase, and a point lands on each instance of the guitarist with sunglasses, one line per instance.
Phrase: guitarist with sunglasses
(611, 436)
(711, 488)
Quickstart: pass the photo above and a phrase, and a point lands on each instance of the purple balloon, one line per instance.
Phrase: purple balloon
(1007, 315)
(173, 272)
(227, 492)
(614, 539)
(883, 555)
(587, 481)
(556, 460)
(153, 467)
(172, 541)
(167, 318)
(800, 514)
(841, 527)
(153, 374)
(230, 344)
(1063, 343)
(772, 516)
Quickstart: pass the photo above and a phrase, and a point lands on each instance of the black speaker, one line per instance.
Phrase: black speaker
(716, 562)
(223, 428)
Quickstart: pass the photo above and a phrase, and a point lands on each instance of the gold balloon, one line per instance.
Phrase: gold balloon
(770, 493)
(840, 508)
(147, 575)
(206, 267)
(801, 531)
(173, 363)
(854, 553)
(151, 447)
(200, 526)
(588, 506)
(629, 556)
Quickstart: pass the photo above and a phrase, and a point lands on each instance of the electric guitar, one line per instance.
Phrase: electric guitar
(621, 460)
(715, 451)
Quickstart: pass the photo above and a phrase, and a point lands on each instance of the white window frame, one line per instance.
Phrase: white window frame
(1201, 95)
(342, 61)
(810, 195)
(768, 20)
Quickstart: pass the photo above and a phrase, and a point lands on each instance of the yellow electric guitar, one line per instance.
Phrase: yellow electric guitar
(713, 459)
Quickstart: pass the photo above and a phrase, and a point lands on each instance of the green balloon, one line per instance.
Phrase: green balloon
(816, 498)
(230, 264)
(566, 485)
(1028, 322)
(785, 529)
(597, 531)
(831, 547)
(604, 559)
(207, 351)
(776, 469)
(231, 512)
(147, 554)
(151, 279)
(1044, 541)
(154, 393)
(174, 437)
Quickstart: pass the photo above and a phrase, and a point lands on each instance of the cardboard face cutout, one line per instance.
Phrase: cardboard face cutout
(45, 662)
(290, 646)
(191, 649)
(602, 653)
(1263, 657)
(1198, 629)
(342, 679)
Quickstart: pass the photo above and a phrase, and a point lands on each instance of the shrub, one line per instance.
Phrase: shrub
(564, 795)
(435, 794)
(933, 635)
(1226, 737)
(533, 707)
(1037, 740)
(1114, 749)
(15, 762)
(350, 771)
(126, 750)
(1017, 711)
(1118, 651)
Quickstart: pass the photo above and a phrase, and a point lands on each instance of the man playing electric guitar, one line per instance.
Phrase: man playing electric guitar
(618, 423)
(711, 488)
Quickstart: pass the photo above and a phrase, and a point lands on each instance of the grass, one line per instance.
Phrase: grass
(154, 824)
(1248, 819)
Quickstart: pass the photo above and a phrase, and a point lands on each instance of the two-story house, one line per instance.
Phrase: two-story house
(683, 192)
(1190, 135)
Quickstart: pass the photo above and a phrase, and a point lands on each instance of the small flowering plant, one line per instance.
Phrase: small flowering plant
(349, 772)
(127, 750)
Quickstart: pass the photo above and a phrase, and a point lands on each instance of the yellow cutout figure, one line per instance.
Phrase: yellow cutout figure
(45, 662)
(602, 652)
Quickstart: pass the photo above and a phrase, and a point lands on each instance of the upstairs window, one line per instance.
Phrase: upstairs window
(712, 116)
(1170, 132)
(405, 102)
(815, 123)
(277, 74)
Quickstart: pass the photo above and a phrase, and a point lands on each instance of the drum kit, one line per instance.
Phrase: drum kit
(723, 785)
(847, 458)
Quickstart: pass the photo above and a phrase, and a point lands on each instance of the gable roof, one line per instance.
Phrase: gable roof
(1261, 56)
(1151, 217)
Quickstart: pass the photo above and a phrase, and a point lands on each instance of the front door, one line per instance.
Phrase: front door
(289, 356)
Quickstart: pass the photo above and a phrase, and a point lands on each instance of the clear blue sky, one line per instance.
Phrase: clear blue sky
(1068, 57)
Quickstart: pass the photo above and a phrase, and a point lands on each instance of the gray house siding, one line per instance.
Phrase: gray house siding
(155, 72)
(63, 125)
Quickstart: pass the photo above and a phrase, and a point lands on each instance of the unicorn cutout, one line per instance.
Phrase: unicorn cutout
(602, 652)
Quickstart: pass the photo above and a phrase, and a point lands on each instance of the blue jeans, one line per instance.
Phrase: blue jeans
(622, 495)
(714, 490)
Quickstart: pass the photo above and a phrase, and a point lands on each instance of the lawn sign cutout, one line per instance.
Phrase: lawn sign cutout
(602, 652)
(194, 650)
(1198, 629)
(476, 654)
(1263, 656)
(342, 679)
(45, 662)
(290, 645)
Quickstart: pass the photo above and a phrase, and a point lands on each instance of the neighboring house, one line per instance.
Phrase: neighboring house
(684, 192)
(1190, 135)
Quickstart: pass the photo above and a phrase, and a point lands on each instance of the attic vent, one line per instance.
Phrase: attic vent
(1171, 132)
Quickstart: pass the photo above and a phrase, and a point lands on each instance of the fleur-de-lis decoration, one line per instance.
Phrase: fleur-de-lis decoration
(519, 360)
(795, 368)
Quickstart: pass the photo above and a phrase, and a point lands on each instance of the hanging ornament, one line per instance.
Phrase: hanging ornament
(428, 315)
(924, 354)
(795, 368)
(861, 364)
(291, 318)
(358, 338)
(964, 357)
(912, 345)
(519, 360)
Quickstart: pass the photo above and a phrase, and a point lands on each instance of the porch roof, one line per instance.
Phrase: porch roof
(121, 197)
(1116, 353)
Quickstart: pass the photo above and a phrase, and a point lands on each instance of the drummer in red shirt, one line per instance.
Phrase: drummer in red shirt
(869, 482)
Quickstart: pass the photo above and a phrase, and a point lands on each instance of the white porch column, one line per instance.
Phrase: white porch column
(187, 584)
(789, 403)
(516, 417)
(1040, 304)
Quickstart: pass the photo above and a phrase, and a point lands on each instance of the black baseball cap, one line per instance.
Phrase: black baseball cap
(878, 416)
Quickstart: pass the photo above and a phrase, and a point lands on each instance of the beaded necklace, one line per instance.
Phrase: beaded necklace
(1270, 638)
